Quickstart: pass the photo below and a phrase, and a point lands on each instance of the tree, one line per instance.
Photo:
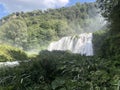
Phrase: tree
(14, 32)
(111, 11)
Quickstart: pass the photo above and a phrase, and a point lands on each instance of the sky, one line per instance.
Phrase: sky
(9, 6)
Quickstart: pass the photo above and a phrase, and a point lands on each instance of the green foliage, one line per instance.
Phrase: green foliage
(9, 53)
(14, 32)
(62, 71)
(99, 38)
(58, 83)
(38, 28)
(111, 46)
(111, 10)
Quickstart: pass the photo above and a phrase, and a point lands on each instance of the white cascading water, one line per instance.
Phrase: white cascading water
(9, 64)
(12, 63)
(81, 44)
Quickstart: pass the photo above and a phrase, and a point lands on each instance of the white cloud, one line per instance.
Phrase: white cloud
(28, 5)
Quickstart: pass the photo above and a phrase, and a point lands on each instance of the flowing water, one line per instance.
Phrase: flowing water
(12, 63)
(81, 44)
(9, 64)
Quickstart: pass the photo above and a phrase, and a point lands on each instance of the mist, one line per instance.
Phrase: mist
(97, 23)
(39, 34)
(91, 25)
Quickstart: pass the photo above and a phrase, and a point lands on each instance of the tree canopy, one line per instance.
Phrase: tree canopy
(111, 10)
(38, 28)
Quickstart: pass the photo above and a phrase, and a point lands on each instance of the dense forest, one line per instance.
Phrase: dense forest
(36, 29)
(61, 70)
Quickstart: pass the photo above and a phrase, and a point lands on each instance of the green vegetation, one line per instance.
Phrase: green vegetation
(99, 38)
(111, 10)
(9, 53)
(62, 71)
(37, 29)
(59, 70)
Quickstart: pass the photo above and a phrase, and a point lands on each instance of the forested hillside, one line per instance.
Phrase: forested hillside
(62, 70)
(36, 29)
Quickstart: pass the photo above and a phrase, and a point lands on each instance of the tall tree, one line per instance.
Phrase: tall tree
(111, 10)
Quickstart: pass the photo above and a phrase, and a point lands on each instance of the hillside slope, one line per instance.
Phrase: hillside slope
(38, 28)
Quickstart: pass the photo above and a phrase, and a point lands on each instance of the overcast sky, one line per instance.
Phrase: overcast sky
(9, 6)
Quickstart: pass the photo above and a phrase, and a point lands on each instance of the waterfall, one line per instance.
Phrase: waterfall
(81, 44)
